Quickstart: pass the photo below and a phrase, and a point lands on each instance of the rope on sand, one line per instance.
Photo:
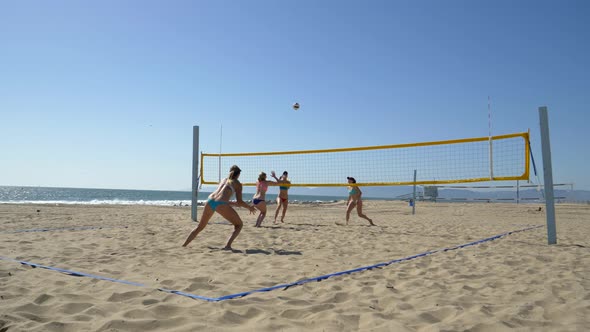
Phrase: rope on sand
(60, 229)
(268, 289)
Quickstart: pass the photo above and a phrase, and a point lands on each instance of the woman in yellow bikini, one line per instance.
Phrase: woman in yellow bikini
(354, 200)
(283, 198)
(259, 199)
(219, 202)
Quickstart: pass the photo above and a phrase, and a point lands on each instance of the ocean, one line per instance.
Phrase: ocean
(47, 195)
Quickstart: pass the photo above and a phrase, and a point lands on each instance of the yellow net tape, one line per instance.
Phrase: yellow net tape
(440, 162)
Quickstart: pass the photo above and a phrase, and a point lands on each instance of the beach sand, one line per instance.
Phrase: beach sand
(514, 283)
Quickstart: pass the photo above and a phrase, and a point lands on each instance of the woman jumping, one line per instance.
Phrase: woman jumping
(354, 200)
(283, 198)
(219, 202)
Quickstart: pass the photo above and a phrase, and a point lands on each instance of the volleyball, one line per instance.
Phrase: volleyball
(296, 106)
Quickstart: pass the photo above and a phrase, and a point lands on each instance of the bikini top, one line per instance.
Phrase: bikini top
(228, 184)
(262, 186)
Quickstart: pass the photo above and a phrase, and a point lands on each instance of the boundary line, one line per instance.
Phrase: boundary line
(267, 289)
(82, 228)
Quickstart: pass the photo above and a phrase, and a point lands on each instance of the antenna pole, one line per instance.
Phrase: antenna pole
(491, 142)
(219, 164)
(196, 176)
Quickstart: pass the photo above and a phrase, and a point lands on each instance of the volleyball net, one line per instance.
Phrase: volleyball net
(496, 158)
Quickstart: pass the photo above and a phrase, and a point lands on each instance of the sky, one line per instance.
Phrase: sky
(105, 94)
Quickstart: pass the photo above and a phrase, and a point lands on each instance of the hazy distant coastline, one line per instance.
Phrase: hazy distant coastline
(51, 195)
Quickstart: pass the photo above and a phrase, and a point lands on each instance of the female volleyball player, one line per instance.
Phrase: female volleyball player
(283, 198)
(355, 200)
(219, 202)
(259, 199)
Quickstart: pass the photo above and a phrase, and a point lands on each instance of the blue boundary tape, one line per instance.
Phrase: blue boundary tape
(268, 289)
(59, 229)
(70, 272)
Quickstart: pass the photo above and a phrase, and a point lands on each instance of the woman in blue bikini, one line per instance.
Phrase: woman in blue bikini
(354, 200)
(219, 202)
(283, 198)
(259, 199)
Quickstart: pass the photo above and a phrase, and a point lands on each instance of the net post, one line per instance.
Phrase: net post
(548, 175)
(195, 168)
(517, 192)
(414, 195)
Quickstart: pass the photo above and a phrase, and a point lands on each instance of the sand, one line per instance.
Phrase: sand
(515, 283)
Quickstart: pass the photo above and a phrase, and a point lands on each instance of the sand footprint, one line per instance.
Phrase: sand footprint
(149, 302)
(74, 308)
(340, 297)
(42, 299)
(138, 314)
(121, 297)
(439, 315)
(236, 318)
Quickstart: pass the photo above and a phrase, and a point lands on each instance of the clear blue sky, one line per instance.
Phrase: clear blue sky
(104, 94)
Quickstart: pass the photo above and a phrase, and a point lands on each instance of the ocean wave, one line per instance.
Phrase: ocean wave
(108, 202)
(143, 202)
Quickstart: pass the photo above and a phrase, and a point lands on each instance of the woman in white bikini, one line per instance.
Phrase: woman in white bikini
(219, 202)
(354, 200)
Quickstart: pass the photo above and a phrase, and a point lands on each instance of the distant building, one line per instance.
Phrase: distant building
(430, 193)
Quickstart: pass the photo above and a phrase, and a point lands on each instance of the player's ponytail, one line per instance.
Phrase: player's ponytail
(234, 172)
